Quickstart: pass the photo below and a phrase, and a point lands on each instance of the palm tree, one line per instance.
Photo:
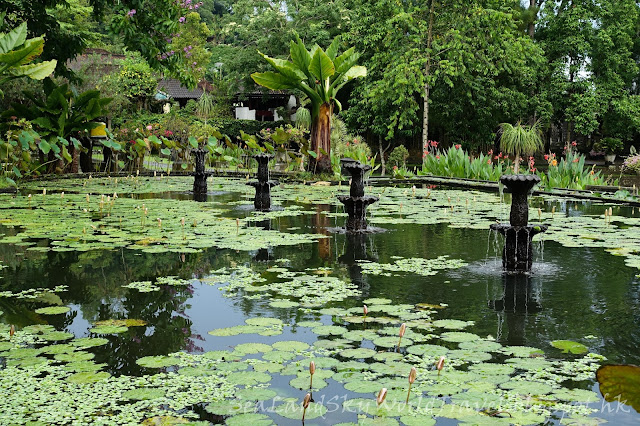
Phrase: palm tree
(319, 74)
(520, 140)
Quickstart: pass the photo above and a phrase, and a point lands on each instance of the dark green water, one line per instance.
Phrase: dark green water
(581, 294)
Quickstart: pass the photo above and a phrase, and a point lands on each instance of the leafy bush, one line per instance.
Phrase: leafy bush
(609, 145)
(233, 128)
(398, 156)
(456, 162)
(570, 172)
(632, 164)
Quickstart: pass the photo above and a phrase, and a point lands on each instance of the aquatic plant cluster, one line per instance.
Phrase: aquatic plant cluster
(353, 346)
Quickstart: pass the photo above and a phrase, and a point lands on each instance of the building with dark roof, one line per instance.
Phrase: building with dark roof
(176, 91)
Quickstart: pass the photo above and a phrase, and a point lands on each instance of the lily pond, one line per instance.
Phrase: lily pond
(123, 301)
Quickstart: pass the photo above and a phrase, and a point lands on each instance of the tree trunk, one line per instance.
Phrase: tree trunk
(321, 140)
(532, 24)
(86, 158)
(427, 87)
(383, 165)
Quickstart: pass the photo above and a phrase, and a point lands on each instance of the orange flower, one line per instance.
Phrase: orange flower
(554, 162)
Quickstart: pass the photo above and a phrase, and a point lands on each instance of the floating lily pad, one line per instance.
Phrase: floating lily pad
(326, 330)
(568, 346)
(359, 353)
(221, 355)
(253, 419)
(227, 407)
(159, 361)
(88, 377)
(248, 378)
(143, 394)
(290, 345)
(294, 411)
(108, 329)
(74, 356)
(57, 336)
(363, 386)
(252, 348)
(459, 337)
(53, 310)
(303, 383)
(283, 304)
(264, 321)
(255, 394)
(279, 356)
(390, 342)
(527, 387)
(451, 324)
(89, 342)
(620, 381)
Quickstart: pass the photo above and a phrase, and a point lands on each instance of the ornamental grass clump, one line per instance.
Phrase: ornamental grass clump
(520, 140)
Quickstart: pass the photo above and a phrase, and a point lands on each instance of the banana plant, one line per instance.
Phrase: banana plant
(319, 74)
(17, 53)
(60, 117)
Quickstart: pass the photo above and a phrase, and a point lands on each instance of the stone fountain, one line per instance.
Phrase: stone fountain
(200, 176)
(517, 255)
(262, 201)
(356, 202)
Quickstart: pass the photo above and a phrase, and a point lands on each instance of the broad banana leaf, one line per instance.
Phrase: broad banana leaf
(13, 38)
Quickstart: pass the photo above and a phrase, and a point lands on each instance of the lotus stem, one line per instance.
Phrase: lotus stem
(412, 378)
(312, 369)
(440, 365)
(305, 405)
(403, 329)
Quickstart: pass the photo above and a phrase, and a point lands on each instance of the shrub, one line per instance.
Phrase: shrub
(398, 156)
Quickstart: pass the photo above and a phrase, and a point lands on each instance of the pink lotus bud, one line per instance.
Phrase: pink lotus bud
(381, 396)
(440, 364)
(412, 375)
(306, 401)
(403, 329)
(312, 367)
(365, 310)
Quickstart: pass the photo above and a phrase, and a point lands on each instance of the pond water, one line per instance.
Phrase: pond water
(243, 301)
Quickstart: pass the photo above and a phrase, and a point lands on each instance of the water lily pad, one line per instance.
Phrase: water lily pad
(459, 337)
(221, 355)
(143, 394)
(279, 356)
(83, 366)
(264, 321)
(481, 345)
(527, 387)
(23, 353)
(359, 353)
(620, 381)
(252, 348)
(302, 382)
(521, 351)
(227, 407)
(568, 346)
(326, 330)
(283, 304)
(253, 419)
(248, 378)
(27, 362)
(294, 411)
(57, 336)
(88, 377)
(255, 394)
(418, 420)
(53, 310)
(74, 356)
(89, 342)
(290, 345)
(159, 361)
(108, 329)
(62, 348)
(451, 324)
(428, 351)
(390, 342)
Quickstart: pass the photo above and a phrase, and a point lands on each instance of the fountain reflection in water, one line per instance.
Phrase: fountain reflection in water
(517, 255)
(262, 201)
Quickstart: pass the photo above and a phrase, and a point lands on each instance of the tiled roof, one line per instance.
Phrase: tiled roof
(176, 90)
